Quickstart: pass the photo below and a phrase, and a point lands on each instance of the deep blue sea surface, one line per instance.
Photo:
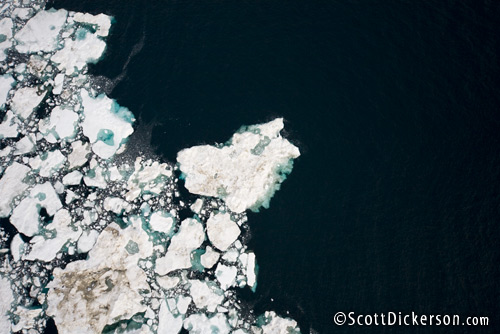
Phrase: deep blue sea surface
(394, 204)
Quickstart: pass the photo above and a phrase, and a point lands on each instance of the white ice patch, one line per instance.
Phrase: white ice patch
(189, 237)
(246, 172)
(101, 22)
(5, 302)
(87, 241)
(26, 218)
(73, 178)
(209, 258)
(77, 53)
(9, 127)
(279, 325)
(106, 124)
(11, 186)
(48, 163)
(206, 295)
(17, 247)
(226, 276)
(161, 222)
(46, 249)
(25, 101)
(41, 32)
(6, 82)
(222, 231)
(168, 323)
(5, 38)
(90, 294)
(201, 324)
(60, 125)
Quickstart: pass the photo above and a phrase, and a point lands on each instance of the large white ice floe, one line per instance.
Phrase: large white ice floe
(106, 124)
(100, 239)
(41, 32)
(88, 295)
(246, 172)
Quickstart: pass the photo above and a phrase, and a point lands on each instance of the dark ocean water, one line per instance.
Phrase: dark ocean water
(394, 204)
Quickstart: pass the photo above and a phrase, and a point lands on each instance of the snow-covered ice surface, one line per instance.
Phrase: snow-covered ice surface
(96, 242)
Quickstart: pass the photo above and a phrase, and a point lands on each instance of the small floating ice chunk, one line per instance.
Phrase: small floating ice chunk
(205, 295)
(162, 222)
(5, 38)
(197, 205)
(189, 237)
(24, 145)
(5, 304)
(226, 276)
(73, 178)
(116, 205)
(87, 241)
(61, 124)
(167, 282)
(17, 247)
(77, 53)
(106, 124)
(58, 84)
(201, 324)
(22, 13)
(26, 318)
(25, 100)
(11, 186)
(9, 127)
(6, 82)
(25, 217)
(209, 258)
(278, 325)
(46, 249)
(148, 177)
(167, 322)
(246, 172)
(222, 231)
(79, 154)
(101, 21)
(41, 32)
(251, 271)
(48, 163)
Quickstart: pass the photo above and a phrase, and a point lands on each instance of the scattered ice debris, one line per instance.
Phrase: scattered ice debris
(93, 236)
(245, 172)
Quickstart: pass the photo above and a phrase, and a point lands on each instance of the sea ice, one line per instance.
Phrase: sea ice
(77, 53)
(26, 215)
(90, 294)
(206, 295)
(246, 172)
(25, 100)
(222, 231)
(61, 124)
(46, 249)
(6, 40)
(5, 301)
(41, 32)
(106, 124)
(11, 186)
(6, 82)
(189, 237)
